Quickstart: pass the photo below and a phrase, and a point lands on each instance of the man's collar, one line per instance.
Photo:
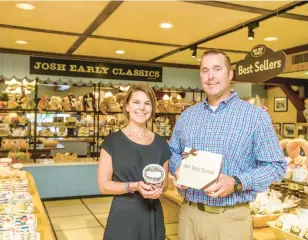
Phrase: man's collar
(233, 95)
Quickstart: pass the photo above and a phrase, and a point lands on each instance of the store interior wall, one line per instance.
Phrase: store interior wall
(280, 117)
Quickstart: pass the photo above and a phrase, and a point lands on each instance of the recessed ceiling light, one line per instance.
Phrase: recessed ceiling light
(269, 39)
(198, 59)
(25, 6)
(21, 42)
(166, 25)
(120, 52)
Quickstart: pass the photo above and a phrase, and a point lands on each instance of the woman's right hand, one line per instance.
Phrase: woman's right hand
(147, 192)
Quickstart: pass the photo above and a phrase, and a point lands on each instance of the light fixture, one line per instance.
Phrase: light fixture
(120, 52)
(166, 25)
(270, 39)
(22, 42)
(198, 59)
(306, 73)
(251, 34)
(25, 6)
(251, 27)
(194, 53)
(166, 97)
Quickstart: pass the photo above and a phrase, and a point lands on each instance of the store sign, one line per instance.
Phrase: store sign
(75, 68)
(260, 65)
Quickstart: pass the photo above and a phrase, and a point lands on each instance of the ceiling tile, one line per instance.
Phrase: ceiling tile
(185, 57)
(45, 42)
(62, 16)
(134, 51)
(302, 10)
(270, 5)
(290, 33)
(192, 22)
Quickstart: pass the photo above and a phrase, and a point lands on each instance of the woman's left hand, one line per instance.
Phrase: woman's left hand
(147, 192)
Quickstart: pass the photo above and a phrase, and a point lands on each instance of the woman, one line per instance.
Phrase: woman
(136, 212)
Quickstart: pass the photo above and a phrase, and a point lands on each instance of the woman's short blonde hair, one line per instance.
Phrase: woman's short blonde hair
(144, 88)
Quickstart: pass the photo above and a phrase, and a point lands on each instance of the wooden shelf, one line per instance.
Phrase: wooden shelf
(43, 226)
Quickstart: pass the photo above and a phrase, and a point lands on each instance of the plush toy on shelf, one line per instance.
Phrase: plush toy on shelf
(66, 104)
(43, 103)
(73, 101)
(89, 102)
(55, 104)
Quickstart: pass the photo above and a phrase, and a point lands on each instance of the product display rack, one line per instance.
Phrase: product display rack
(96, 135)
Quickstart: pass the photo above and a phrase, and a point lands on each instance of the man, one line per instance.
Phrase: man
(252, 157)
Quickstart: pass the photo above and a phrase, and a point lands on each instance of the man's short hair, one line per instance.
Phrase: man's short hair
(217, 52)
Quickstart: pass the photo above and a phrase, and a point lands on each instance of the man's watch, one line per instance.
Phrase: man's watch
(238, 187)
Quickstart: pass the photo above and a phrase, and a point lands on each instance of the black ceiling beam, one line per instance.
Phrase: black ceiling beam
(297, 49)
(95, 59)
(290, 81)
(237, 27)
(243, 8)
(102, 17)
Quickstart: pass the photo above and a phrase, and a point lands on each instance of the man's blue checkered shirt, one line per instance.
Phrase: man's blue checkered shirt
(243, 134)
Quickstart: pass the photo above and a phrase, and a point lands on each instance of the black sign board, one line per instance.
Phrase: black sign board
(260, 65)
(75, 68)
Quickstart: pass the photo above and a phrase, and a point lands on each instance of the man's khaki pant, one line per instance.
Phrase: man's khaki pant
(233, 224)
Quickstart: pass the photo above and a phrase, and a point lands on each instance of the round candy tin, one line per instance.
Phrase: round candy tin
(153, 173)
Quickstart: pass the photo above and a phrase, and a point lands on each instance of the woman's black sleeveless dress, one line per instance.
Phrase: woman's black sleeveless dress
(131, 216)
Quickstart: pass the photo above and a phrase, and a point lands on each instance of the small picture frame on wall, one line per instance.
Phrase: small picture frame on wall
(277, 128)
(280, 104)
(289, 130)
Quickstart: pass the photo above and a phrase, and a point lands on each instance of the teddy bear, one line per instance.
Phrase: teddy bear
(161, 106)
(120, 98)
(43, 103)
(113, 105)
(66, 104)
(26, 103)
(55, 104)
(103, 107)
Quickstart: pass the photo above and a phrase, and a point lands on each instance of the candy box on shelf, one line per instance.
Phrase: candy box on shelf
(281, 234)
(259, 221)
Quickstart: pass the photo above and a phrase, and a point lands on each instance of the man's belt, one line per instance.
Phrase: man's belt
(212, 209)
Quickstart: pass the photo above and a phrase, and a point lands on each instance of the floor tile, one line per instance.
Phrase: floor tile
(99, 207)
(68, 211)
(171, 229)
(62, 203)
(74, 222)
(263, 234)
(97, 200)
(102, 218)
(173, 237)
(96, 233)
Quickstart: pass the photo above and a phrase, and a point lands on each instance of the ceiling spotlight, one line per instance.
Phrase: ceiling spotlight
(194, 53)
(251, 27)
(166, 25)
(270, 39)
(25, 6)
(21, 42)
(251, 34)
(120, 52)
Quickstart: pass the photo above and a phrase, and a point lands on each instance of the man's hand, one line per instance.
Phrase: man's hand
(175, 178)
(222, 188)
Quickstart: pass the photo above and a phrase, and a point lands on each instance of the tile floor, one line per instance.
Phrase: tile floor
(86, 218)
